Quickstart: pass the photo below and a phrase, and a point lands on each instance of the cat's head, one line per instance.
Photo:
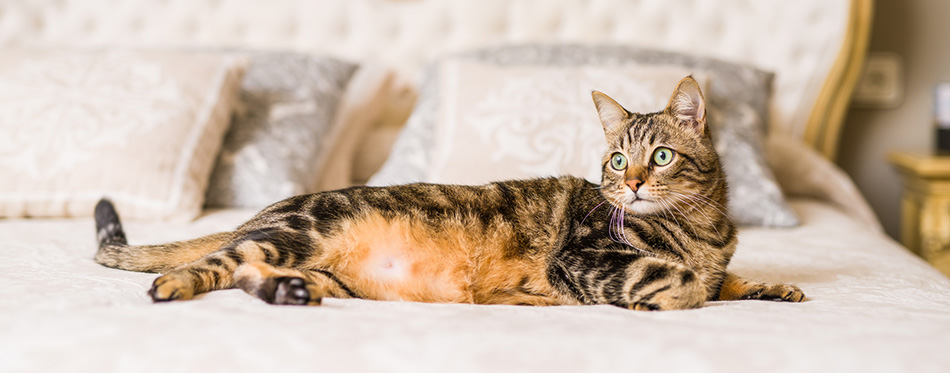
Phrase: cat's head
(664, 161)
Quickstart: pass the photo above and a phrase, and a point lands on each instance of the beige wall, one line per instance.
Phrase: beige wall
(919, 31)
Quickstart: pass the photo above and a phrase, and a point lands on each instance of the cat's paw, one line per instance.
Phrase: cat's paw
(170, 287)
(293, 291)
(777, 292)
(738, 288)
(671, 286)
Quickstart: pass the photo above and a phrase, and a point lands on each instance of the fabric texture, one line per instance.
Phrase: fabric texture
(737, 107)
(517, 122)
(282, 137)
(802, 172)
(140, 127)
(871, 306)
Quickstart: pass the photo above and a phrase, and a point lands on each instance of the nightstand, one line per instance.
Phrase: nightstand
(925, 205)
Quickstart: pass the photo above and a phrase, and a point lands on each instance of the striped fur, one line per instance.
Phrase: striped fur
(648, 237)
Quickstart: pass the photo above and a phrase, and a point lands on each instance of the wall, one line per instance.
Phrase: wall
(919, 31)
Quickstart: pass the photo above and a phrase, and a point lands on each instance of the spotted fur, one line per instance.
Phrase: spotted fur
(648, 237)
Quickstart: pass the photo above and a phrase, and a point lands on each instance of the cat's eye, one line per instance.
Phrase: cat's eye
(618, 162)
(662, 156)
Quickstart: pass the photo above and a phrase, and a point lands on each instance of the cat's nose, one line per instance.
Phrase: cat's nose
(634, 184)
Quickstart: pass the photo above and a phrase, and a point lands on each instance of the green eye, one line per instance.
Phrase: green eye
(662, 156)
(618, 162)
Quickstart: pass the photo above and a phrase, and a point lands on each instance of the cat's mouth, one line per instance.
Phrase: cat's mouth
(639, 204)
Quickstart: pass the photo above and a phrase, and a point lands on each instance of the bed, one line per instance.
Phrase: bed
(368, 65)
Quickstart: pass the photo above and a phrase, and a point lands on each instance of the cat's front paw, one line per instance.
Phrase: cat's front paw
(170, 287)
(737, 288)
(667, 286)
(778, 292)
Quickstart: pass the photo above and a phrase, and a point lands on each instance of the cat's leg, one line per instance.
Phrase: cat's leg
(655, 284)
(737, 288)
(278, 246)
(212, 272)
(289, 285)
(633, 281)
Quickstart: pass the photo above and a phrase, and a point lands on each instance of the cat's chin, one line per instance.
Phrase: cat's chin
(642, 206)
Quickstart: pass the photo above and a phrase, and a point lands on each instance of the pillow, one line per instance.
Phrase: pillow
(281, 138)
(514, 122)
(142, 128)
(737, 108)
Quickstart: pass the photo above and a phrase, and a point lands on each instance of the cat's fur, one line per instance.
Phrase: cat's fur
(649, 237)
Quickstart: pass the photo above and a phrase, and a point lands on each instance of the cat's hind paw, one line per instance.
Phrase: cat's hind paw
(293, 291)
(170, 287)
(277, 286)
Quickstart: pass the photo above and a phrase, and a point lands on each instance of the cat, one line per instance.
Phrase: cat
(654, 235)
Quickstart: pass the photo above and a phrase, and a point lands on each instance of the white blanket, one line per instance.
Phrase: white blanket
(871, 306)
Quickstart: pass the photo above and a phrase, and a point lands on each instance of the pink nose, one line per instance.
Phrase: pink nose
(634, 184)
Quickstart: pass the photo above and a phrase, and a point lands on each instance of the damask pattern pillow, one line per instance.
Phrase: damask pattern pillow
(737, 108)
(142, 128)
(280, 141)
(513, 122)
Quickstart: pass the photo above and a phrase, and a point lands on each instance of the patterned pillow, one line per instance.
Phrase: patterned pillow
(142, 128)
(280, 141)
(515, 122)
(738, 102)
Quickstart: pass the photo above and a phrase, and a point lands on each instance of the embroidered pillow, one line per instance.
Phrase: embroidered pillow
(485, 133)
(142, 128)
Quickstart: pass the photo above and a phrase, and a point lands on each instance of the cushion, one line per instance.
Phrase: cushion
(279, 141)
(737, 108)
(515, 122)
(141, 127)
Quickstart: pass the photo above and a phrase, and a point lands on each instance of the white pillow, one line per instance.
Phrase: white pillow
(142, 128)
(516, 122)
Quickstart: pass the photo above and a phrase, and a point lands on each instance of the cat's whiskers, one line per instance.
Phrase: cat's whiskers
(692, 226)
(693, 201)
(623, 227)
(707, 201)
(716, 205)
(616, 229)
(610, 227)
(665, 208)
(592, 211)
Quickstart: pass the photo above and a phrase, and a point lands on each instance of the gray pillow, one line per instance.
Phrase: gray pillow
(737, 97)
(279, 138)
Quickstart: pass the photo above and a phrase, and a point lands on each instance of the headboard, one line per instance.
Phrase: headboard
(815, 47)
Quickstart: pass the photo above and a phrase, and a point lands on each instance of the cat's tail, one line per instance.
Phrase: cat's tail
(115, 252)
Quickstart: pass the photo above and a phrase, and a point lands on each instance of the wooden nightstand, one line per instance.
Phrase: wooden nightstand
(925, 206)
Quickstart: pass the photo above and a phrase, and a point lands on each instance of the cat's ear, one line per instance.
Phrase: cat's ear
(688, 105)
(612, 115)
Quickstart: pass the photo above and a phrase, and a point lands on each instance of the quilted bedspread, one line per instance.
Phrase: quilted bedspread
(871, 306)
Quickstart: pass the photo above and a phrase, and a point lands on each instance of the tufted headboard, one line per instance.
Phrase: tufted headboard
(815, 47)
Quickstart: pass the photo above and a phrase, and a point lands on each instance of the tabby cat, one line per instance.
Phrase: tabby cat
(654, 235)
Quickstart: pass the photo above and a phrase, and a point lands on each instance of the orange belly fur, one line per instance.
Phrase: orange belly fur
(456, 262)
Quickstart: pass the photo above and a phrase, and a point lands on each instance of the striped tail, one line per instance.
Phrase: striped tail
(115, 252)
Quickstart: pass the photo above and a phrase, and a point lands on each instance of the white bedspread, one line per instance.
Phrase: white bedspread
(871, 306)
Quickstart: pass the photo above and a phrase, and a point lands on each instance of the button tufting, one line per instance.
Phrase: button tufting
(794, 39)
(239, 30)
(38, 24)
(136, 25)
(190, 27)
(89, 26)
(291, 28)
